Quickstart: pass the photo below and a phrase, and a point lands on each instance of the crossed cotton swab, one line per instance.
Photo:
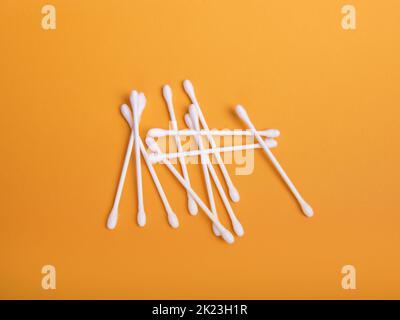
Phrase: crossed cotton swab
(113, 216)
(226, 234)
(193, 119)
(158, 133)
(308, 211)
(172, 218)
(189, 89)
(154, 157)
(237, 227)
(167, 93)
(137, 100)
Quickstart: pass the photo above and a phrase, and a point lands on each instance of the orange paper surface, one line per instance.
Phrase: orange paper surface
(334, 95)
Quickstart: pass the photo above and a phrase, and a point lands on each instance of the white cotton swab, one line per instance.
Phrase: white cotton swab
(235, 222)
(137, 99)
(189, 89)
(158, 133)
(193, 120)
(113, 216)
(226, 234)
(271, 143)
(172, 218)
(167, 93)
(308, 211)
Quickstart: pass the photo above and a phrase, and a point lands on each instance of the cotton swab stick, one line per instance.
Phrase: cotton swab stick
(308, 211)
(158, 133)
(167, 93)
(193, 119)
(113, 216)
(137, 99)
(235, 222)
(173, 155)
(226, 235)
(172, 218)
(189, 89)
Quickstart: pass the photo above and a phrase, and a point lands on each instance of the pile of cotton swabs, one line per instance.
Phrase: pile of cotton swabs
(198, 128)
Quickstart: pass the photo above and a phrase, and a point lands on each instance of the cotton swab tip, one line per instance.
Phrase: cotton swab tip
(141, 218)
(133, 94)
(188, 121)
(141, 103)
(238, 228)
(234, 194)
(127, 114)
(167, 93)
(154, 157)
(271, 143)
(133, 97)
(216, 230)
(273, 133)
(241, 112)
(156, 133)
(228, 237)
(152, 144)
(193, 209)
(188, 86)
(173, 220)
(112, 219)
(307, 209)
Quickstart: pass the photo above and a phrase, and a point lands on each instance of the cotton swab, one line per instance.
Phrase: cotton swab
(189, 89)
(113, 216)
(137, 99)
(192, 153)
(194, 120)
(167, 93)
(308, 211)
(235, 222)
(226, 234)
(158, 133)
(172, 218)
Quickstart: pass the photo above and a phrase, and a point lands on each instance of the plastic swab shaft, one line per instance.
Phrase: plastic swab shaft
(135, 100)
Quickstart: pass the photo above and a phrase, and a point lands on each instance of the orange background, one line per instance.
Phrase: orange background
(334, 94)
